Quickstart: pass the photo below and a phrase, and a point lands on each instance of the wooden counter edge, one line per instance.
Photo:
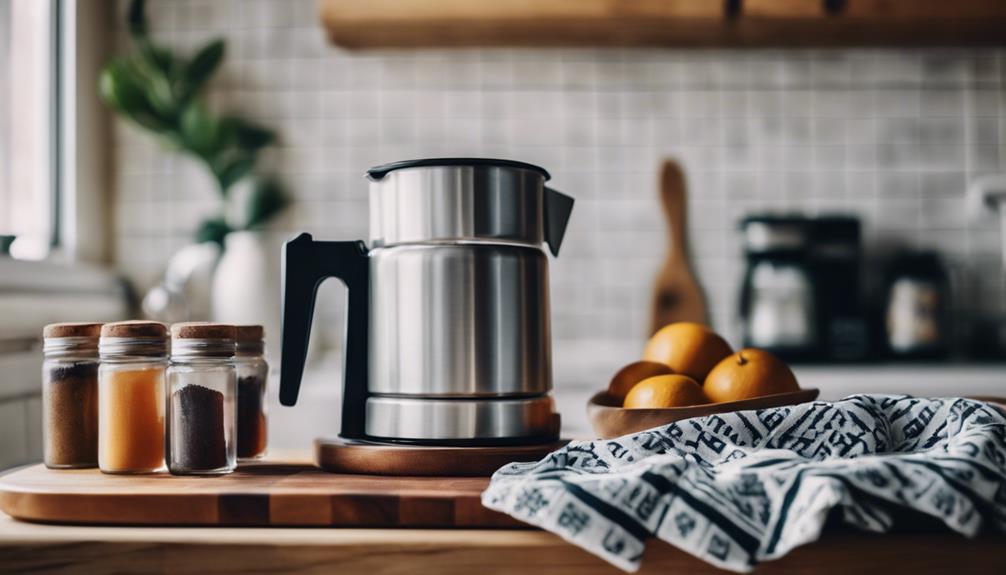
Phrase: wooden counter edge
(43, 548)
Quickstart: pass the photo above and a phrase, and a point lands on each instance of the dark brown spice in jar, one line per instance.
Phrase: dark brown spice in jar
(251, 417)
(197, 439)
(71, 415)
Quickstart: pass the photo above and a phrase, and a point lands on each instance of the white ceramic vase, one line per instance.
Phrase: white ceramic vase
(246, 285)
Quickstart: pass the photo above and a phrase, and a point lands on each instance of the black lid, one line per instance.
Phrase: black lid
(378, 172)
(782, 219)
(837, 227)
(917, 264)
(838, 219)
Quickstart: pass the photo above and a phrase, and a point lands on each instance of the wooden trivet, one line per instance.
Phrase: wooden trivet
(339, 455)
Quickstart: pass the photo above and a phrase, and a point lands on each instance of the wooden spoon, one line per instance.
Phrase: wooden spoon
(677, 295)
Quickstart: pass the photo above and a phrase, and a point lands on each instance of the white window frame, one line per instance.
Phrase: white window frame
(73, 283)
(70, 137)
(28, 167)
(85, 42)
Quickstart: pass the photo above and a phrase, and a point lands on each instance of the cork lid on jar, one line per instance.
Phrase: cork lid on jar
(202, 330)
(249, 333)
(71, 338)
(124, 340)
(72, 329)
(135, 328)
(250, 340)
(192, 340)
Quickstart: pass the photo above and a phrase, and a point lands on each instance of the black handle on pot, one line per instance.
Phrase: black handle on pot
(558, 206)
(307, 263)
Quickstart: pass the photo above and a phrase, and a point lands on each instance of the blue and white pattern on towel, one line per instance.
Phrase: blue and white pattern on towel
(743, 487)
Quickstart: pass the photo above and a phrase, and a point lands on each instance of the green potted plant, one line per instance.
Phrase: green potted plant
(162, 92)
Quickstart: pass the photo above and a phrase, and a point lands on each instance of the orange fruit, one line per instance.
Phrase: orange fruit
(688, 348)
(749, 373)
(632, 374)
(665, 391)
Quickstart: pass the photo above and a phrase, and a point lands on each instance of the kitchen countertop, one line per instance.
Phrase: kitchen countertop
(32, 547)
(933, 380)
(28, 547)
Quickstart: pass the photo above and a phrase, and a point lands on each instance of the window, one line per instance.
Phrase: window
(28, 182)
(51, 195)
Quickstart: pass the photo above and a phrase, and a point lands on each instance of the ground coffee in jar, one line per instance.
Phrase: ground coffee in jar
(253, 372)
(70, 395)
(197, 429)
(202, 389)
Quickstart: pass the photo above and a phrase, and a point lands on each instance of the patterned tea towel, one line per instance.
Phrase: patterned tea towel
(738, 488)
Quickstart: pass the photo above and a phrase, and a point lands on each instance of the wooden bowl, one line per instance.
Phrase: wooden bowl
(611, 420)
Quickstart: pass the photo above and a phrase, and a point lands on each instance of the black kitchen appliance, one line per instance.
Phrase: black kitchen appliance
(836, 256)
(778, 304)
(917, 306)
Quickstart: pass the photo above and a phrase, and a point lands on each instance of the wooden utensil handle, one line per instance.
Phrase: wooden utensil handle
(672, 195)
(677, 295)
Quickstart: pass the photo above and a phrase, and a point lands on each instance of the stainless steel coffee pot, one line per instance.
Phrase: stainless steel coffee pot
(447, 338)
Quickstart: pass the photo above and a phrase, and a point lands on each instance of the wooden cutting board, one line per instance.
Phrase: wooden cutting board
(263, 494)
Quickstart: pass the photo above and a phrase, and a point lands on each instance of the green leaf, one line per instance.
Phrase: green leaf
(123, 91)
(155, 82)
(248, 135)
(152, 57)
(158, 60)
(200, 131)
(267, 200)
(202, 66)
(213, 230)
(234, 171)
(136, 19)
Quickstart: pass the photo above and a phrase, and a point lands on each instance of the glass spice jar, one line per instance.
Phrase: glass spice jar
(70, 395)
(252, 372)
(202, 387)
(134, 357)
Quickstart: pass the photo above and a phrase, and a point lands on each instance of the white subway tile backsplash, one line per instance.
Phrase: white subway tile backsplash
(891, 135)
(986, 159)
(941, 103)
(948, 184)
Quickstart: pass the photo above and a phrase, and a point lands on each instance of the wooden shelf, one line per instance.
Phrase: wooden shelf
(677, 23)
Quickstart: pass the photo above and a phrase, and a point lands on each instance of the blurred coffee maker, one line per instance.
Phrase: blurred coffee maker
(836, 253)
(801, 297)
(778, 307)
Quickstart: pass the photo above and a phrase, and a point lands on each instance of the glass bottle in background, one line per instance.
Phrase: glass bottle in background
(917, 314)
(202, 392)
(70, 395)
(134, 357)
(252, 373)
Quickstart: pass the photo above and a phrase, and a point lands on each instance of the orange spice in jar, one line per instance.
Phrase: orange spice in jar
(134, 356)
